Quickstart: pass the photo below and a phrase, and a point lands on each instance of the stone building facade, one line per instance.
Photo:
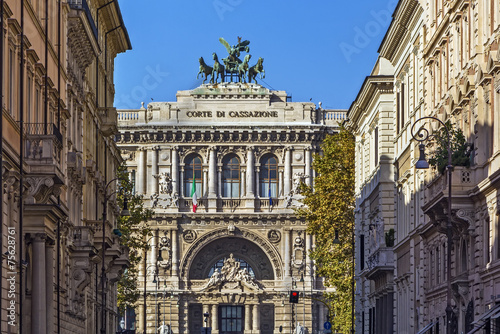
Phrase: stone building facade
(245, 149)
(58, 154)
(444, 62)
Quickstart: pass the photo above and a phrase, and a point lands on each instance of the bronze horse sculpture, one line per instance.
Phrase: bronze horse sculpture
(256, 69)
(218, 70)
(243, 68)
(204, 69)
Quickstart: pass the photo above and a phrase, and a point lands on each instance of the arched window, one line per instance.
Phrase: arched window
(231, 177)
(193, 172)
(268, 176)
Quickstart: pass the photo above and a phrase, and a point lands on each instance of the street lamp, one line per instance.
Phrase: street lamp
(422, 135)
(125, 212)
(158, 259)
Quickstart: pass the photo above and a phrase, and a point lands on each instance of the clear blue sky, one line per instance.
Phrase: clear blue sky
(319, 50)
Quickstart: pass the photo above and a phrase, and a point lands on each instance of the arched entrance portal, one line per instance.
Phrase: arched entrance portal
(247, 252)
(229, 275)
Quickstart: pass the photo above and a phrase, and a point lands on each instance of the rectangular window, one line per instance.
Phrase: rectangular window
(29, 99)
(231, 319)
(361, 252)
(376, 146)
(398, 113)
(37, 104)
(403, 105)
(11, 81)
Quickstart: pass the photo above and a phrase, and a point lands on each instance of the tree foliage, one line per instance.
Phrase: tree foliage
(329, 211)
(460, 149)
(134, 232)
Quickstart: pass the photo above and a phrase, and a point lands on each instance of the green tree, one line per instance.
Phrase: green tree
(134, 232)
(329, 213)
(460, 149)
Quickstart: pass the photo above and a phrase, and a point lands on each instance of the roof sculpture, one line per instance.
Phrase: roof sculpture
(233, 67)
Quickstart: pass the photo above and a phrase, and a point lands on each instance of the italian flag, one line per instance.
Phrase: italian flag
(193, 195)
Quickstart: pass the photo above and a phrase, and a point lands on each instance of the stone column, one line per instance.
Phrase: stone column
(205, 185)
(309, 262)
(206, 309)
(175, 171)
(39, 292)
(49, 274)
(287, 252)
(256, 174)
(250, 174)
(247, 318)
(219, 179)
(153, 181)
(256, 319)
(141, 171)
(175, 259)
(212, 170)
(308, 166)
(154, 248)
(181, 184)
(288, 172)
(215, 322)
(281, 181)
(243, 185)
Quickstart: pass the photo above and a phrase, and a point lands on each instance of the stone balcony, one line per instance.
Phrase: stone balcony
(380, 262)
(96, 226)
(233, 205)
(42, 155)
(109, 119)
(463, 180)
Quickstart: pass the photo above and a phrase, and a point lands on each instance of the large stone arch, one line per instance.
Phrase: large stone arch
(244, 244)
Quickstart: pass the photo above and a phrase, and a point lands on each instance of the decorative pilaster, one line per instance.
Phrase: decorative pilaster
(153, 186)
(287, 252)
(175, 171)
(281, 181)
(39, 292)
(308, 166)
(141, 171)
(175, 259)
(255, 319)
(288, 172)
(215, 322)
(309, 261)
(247, 318)
(182, 183)
(250, 174)
(212, 177)
(49, 284)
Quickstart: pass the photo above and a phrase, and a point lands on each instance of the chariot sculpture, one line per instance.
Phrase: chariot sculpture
(233, 68)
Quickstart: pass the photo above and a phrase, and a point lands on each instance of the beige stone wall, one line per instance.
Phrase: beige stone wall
(445, 66)
(67, 157)
(213, 122)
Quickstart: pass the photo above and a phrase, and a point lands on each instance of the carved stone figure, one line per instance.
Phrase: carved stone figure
(164, 182)
(293, 199)
(164, 329)
(231, 272)
(154, 200)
